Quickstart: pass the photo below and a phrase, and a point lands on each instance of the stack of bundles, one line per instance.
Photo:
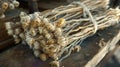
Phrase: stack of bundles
(6, 5)
(56, 33)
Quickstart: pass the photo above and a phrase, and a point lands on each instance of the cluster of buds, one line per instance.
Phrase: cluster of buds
(42, 36)
(45, 38)
(6, 5)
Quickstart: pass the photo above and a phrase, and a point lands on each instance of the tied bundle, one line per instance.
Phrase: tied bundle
(7, 5)
(55, 33)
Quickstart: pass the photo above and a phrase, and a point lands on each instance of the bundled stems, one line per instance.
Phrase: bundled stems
(51, 34)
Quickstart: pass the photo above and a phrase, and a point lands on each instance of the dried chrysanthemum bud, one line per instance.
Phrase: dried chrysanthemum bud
(36, 45)
(52, 48)
(22, 14)
(25, 19)
(36, 14)
(40, 29)
(48, 36)
(25, 22)
(2, 16)
(33, 32)
(58, 32)
(36, 22)
(11, 6)
(30, 41)
(77, 48)
(53, 56)
(36, 53)
(55, 64)
(43, 57)
(17, 31)
(16, 38)
(45, 20)
(42, 42)
(10, 32)
(50, 26)
(61, 22)
(62, 41)
(8, 25)
(45, 31)
(50, 41)
(28, 19)
(21, 35)
(16, 3)
(5, 5)
(40, 37)
(46, 50)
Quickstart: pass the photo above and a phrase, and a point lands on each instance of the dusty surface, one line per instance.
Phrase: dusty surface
(22, 56)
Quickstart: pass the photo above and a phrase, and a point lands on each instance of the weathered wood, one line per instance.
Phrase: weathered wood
(101, 54)
(108, 56)
(7, 43)
(5, 39)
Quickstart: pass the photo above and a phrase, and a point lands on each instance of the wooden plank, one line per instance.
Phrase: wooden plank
(101, 54)
(5, 39)
(108, 56)
(7, 43)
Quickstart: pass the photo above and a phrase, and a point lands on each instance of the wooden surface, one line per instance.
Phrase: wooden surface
(22, 56)
(5, 39)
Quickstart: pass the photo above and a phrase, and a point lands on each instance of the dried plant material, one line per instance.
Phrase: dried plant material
(77, 48)
(4, 5)
(43, 57)
(61, 22)
(54, 64)
(60, 30)
(7, 5)
(102, 43)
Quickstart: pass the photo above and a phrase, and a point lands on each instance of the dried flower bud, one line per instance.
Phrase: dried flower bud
(40, 29)
(10, 32)
(45, 20)
(61, 22)
(53, 56)
(36, 53)
(33, 32)
(22, 35)
(36, 45)
(52, 48)
(58, 32)
(30, 41)
(17, 31)
(77, 48)
(36, 14)
(50, 41)
(16, 38)
(2, 16)
(48, 36)
(16, 3)
(28, 19)
(42, 42)
(22, 14)
(62, 41)
(5, 5)
(46, 50)
(11, 6)
(43, 57)
(45, 31)
(8, 25)
(36, 22)
(55, 64)
(40, 37)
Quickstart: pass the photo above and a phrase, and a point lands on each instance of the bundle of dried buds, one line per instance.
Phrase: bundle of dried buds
(56, 33)
(6, 5)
